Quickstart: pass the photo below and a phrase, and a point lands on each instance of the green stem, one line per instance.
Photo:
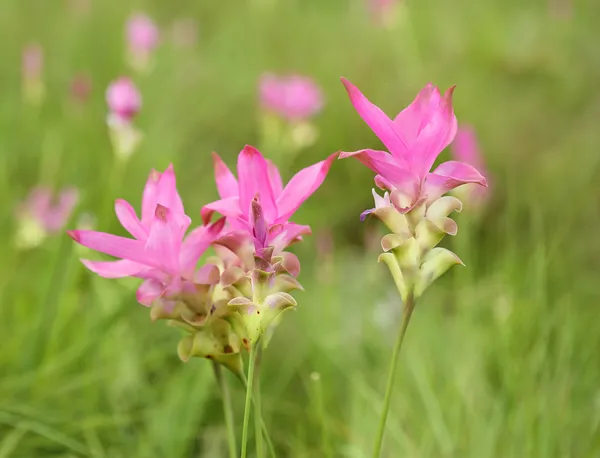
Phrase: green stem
(248, 403)
(227, 409)
(408, 309)
(258, 423)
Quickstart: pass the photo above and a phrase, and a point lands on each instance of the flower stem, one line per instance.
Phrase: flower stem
(408, 309)
(227, 409)
(258, 423)
(248, 403)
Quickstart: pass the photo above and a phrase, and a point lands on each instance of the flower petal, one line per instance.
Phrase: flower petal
(434, 136)
(149, 197)
(166, 193)
(410, 121)
(113, 245)
(229, 207)
(129, 220)
(149, 291)
(450, 175)
(289, 234)
(254, 179)
(274, 178)
(377, 120)
(164, 240)
(114, 269)
(383, 163)
(227, 185)
(301, 187)
(196, 243)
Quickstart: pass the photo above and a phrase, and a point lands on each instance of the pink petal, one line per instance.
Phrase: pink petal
(377, 120)
(450, 175)
(274, 178)
(301, 187)
(410, 121)
(113, 245)
(379, 161)
(114, 269)
(207, 275)
(227, 185)
(434, 137)
(290, 233)
(166, 194)
(164, 240)
(129, 220)
(149, 291)
(465, 148)
(254, 179)
(149, 197)
(229, 207)
(196, 243)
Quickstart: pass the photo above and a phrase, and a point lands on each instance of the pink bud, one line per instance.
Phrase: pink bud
(123, 99)
(33, 61)
(142, 34)
(292, 97)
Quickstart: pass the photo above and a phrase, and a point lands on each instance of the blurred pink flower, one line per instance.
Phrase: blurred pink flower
(465, 148)
(142, 34)
(49, 212)
(159, 252)
(33, 62)
(291, 97)
(81, 88)
(415, 138)
(258, 204)
(123, 99)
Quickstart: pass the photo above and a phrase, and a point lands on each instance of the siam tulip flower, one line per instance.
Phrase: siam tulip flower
(44, 214)
(258, 209)
(124, 102)
(288, 103)
(260, 178)
(415, 138)
(142, 38)
(413, 206)
(165, 258)
(466, 149)
(32, 73)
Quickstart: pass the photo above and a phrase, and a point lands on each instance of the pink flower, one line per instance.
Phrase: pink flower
(49, 214)
(123, 99)
(258, 204)
(465, 148)
(33, 62)
(291, 97)
(415, 138)
(159, 251)
(142, 34)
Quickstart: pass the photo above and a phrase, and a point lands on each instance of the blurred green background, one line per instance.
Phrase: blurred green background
(501, 358)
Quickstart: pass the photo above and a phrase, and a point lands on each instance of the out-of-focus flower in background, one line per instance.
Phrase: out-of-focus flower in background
(184, 33)
(385, 13)
(142, 39)
(44, 213)
(32, 69)
(465, 148)
(124, 102)
(80, 89)
(287, 103)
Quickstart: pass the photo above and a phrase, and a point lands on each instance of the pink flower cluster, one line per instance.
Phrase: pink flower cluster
(256, 207)
(48, 211)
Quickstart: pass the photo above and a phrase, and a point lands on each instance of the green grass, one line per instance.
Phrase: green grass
(501, 357)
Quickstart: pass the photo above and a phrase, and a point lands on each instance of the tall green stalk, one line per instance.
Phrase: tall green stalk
(258, 421)
(248, 403)
(408, 309)
(227, 409)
